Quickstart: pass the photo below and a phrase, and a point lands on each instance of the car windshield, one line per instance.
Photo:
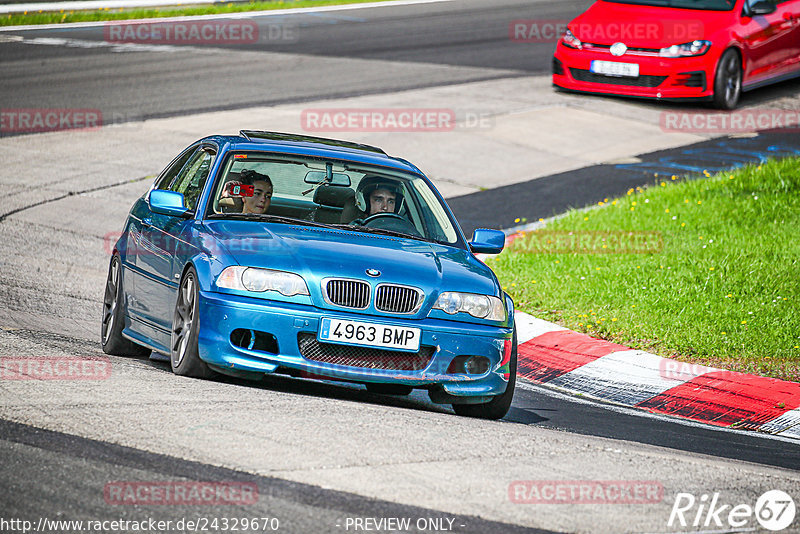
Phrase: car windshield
(344, 195)
(706, 5)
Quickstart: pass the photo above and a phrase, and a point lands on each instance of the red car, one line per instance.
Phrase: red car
(680, 49)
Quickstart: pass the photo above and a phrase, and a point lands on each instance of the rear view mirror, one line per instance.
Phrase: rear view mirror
(337, 178)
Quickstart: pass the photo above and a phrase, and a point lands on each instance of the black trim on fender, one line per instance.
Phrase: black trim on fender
(771, 80)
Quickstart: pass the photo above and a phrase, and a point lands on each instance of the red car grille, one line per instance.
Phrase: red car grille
(639, 81)
(634, 51)
(363, 357)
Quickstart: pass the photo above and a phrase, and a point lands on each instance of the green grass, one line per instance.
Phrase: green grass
(65, 16)
(723, 290)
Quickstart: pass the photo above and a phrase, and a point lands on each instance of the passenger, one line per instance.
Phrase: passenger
(262, 192)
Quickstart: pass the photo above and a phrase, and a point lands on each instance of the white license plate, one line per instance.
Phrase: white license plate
(612, 68)
(369, 334)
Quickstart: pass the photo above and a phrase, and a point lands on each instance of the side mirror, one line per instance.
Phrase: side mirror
(167, 203)
(485, 241)
(761, 8)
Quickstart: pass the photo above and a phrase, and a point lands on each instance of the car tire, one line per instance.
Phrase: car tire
(498, 407)
(184, 353)
(390, 389)
(728, 81)
(113, 320)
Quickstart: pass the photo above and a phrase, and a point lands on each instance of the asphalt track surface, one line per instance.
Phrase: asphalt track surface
(323, 55)
(409, 47)
(400, 48)
(82, 467)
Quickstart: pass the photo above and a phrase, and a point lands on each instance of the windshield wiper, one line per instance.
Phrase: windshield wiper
(381, 231)
(289, 220)
(266, 218)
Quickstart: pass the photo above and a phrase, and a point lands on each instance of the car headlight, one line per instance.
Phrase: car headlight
(695, 48)
(569, 40)
(260, 280)
(480, 306)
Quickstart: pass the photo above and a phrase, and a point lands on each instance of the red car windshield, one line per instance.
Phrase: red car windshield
(704, 5)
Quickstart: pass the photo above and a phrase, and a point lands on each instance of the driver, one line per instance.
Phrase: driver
(381, 200)
(376, 194)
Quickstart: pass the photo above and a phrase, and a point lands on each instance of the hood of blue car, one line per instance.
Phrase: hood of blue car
(318, 253)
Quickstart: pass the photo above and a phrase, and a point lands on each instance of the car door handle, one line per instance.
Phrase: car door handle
(147, 223)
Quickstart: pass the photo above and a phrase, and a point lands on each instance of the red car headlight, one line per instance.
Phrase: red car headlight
(694, 48)
(570, 41)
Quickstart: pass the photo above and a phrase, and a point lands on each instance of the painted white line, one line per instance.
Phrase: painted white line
(241, 15)
(626, 377)
(787, 424)
(529, 327)
(793, 432)
(114, 47)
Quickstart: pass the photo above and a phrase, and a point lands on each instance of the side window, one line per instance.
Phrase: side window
(193, 176)
(174, 168)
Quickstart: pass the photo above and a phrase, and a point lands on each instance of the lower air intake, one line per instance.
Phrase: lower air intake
(363, 357)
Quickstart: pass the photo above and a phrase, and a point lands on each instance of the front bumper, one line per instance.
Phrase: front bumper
(222, 314)
(660, 78)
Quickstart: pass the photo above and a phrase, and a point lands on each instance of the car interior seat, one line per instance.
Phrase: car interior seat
(331, 200)
(351, 212)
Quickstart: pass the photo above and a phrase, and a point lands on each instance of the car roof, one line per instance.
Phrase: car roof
(307, 145)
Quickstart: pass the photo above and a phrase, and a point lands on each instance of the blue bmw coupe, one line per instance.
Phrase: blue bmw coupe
(277, 253)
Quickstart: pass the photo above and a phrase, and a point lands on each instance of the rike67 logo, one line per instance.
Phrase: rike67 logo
(774, 510)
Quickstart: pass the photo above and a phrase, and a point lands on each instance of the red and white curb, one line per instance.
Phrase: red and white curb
(579, 364)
